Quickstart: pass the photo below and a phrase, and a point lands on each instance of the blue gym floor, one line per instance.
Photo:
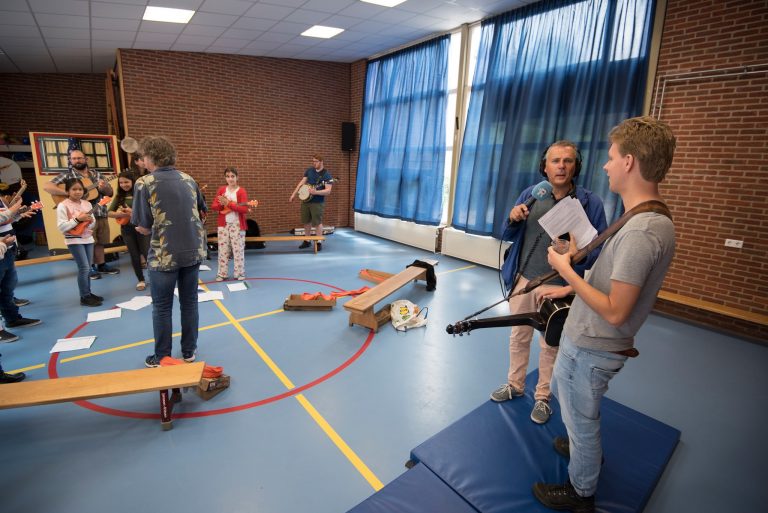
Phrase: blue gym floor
(319, 414)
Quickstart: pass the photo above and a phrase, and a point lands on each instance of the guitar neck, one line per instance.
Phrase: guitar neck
(533, 320)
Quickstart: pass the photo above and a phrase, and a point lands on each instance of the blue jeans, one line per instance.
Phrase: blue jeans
(83, 257)
(580, 380)
(161, 284)
(8, 281)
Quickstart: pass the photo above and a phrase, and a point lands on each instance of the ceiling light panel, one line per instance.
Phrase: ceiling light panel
(167, 14)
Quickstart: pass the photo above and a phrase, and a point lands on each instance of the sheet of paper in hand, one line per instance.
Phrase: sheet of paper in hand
(568, 216)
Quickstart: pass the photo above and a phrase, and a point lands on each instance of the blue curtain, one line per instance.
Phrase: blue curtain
(402, 141)
(553, 70)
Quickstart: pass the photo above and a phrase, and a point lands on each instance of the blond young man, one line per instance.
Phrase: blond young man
(610, 306)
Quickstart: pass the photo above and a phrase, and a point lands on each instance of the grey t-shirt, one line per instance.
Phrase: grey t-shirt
(639, 254)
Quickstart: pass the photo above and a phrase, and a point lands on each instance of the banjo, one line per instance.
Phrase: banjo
(304, 194)
(549, 320)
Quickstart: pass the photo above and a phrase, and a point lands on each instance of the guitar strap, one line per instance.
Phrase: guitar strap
(647, 206)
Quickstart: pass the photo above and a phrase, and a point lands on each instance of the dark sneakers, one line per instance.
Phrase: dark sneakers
(20, 301)
(23, 322)
(189, 357)
(7, 336)
(563, 497)
(11, 378)
(98, 298)
(305, 244)
(105, 269)
(152, 361)
(90, 300)
(319, 246)
(562, 446)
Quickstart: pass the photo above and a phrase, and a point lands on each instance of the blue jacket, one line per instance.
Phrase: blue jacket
(593, 206)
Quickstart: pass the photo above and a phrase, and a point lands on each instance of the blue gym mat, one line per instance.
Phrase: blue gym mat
(492, 456)
(418, 490)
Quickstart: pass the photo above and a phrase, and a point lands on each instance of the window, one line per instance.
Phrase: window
(54, 152)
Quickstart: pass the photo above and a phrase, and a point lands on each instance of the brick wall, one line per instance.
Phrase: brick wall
(717, 187)
(49, 102)
(264, 116)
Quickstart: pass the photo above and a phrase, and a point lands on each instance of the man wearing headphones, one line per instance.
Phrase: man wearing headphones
(527, 259)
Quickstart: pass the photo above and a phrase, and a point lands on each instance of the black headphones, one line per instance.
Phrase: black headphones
(543, 161)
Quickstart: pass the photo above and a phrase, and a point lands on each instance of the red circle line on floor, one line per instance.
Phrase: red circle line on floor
(53, 374)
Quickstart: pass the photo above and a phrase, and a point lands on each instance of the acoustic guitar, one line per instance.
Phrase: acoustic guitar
(90, 193)
(549, 320)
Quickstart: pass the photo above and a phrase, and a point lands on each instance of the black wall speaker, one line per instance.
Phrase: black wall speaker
(348, 136)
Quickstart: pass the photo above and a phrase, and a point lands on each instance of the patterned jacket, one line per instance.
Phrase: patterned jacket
(169, 203)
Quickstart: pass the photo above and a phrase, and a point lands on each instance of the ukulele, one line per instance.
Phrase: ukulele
(549, 320)
(122, 221)
(17, 195)
(35, 205)
(251, 204)
(80, 228)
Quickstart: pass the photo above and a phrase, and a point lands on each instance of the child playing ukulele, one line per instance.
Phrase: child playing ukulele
(76, 222)
(232, 204)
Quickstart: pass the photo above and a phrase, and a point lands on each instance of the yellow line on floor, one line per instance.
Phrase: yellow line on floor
(361, 467)
(133, 344)
(353, 458)
(140, 343)
(459, 269)
(304, 402)
(256, 347)
(27, 369)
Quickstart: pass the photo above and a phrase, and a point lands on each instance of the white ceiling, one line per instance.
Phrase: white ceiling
(81, 36)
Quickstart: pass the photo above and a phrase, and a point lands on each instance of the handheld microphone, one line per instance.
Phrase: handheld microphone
(539, 192)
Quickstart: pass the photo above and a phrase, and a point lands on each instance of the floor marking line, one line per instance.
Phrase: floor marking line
(345, 449)
(454, 270)
(27, 369)
(141, 342)
(256, 347)
(324, 425)
(111, 350)
(135, 344)
(361, 467)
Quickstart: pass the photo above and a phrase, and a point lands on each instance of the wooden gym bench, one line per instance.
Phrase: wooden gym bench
(281, 238)
(361, 308)
(93, 386)
(63, 256)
